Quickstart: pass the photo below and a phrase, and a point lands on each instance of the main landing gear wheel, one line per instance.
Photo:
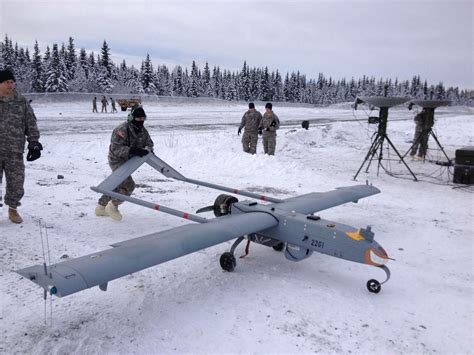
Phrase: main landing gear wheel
(373, 286)
(279, 247)
(227, 261)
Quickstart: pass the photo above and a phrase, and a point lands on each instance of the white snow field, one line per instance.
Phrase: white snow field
(268, 304)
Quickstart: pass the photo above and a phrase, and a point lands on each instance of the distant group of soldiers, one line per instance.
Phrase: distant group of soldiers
(255, 124)
(105, 103)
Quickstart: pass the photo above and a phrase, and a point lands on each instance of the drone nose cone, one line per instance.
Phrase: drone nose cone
(376, 255)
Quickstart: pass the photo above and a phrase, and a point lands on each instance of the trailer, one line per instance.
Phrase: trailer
(129, 103)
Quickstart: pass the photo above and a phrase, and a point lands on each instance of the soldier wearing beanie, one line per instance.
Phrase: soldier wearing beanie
(129, 139)
(269, 125)
(17, 125)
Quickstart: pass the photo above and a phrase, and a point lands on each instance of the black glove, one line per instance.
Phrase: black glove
(138, 151)
(34, 151)
(260, 132)
(239, 131)
(267, 129)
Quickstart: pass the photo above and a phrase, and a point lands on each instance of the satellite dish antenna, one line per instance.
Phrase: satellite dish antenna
(383, 103)
(430, 103)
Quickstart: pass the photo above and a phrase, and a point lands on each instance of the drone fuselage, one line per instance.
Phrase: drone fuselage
(305, 234)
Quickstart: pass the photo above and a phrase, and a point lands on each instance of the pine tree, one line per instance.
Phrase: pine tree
(83, 62)
(244, 87)
(216, 82)
(178, 88)
(37, 83)
(286, 88)
(206, 81)
(265, 86)
(133, 81)
(254, 84)
(147, 76)
(22, 71)
(56, 73)
(91, 60)
(440, 91)
(278, 94)
(47, 54)
(163, 87)
(71, 59)
(8, 54)
(103, 79)
(186, 83)
(105, 60)
(194, 81)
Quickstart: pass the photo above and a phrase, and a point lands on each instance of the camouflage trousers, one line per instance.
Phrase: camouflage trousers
(269, 144)
(420, 143)
(249, 142)
(125, 188)
(14, 168)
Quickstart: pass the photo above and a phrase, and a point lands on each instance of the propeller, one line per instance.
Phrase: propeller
(206, 209)
(222, 205)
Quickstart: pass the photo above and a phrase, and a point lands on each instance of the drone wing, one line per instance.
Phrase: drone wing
(318, 201)
(130, 256)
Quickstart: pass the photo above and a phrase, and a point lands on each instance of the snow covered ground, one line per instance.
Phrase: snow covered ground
(269, 304)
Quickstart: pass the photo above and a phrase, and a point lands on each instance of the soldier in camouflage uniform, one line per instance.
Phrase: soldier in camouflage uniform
(17, 121)
(128, 139)
(105, 103)
(94, 104)
(112, 102)
(269, 125)
(421, 137)
(251, 121)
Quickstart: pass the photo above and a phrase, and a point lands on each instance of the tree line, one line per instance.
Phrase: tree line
(63, 68)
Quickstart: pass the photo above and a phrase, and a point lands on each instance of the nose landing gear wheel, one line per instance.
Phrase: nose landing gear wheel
(227, 261)
(373, 286)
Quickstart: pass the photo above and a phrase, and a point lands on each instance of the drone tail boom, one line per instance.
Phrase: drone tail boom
(111, 182)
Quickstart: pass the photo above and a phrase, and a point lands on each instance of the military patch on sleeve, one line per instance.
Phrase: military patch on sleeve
(121, 134)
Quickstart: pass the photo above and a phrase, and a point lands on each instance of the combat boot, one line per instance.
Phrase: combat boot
(100, 211)
(112, 211)
(14, 216)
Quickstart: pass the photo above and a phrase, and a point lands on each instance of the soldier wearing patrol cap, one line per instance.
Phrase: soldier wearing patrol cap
(17, 124)
(251, 121)
(129, 139)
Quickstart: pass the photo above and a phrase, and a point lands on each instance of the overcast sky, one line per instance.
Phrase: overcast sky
(381, 38)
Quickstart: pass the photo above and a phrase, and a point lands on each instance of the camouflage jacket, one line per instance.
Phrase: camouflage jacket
(251, 121)
(420, 120)
(17, 123)
(123, 138)
(270, 123)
